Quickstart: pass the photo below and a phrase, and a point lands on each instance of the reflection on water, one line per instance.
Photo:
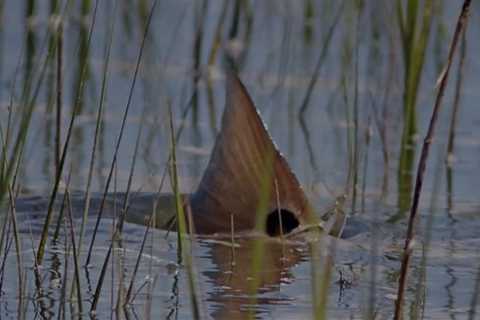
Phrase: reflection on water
(330, 79)
(232, 276)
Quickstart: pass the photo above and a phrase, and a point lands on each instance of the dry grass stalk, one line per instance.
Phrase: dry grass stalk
(442, 83)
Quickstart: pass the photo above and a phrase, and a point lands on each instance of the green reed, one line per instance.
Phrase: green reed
(321, 269)
(5, 245)
(218, 33)
(59, 171)
(5, 136)
(16, 236)
(122, 129)
(98, 122)
(183, 246)
(10, 168)
(117, 230)
(414, 25)
(125, 207)
(267, 179)
(76, 263)
(128, 297)
(28, 100)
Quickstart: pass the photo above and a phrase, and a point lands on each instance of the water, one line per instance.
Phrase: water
(278, 45)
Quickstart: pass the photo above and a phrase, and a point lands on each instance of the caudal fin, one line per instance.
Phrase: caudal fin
(244, 156)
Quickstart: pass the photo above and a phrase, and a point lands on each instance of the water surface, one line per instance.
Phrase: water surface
(353, 121)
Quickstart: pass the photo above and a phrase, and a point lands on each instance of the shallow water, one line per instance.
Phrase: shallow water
(223, 275)
(279, 44)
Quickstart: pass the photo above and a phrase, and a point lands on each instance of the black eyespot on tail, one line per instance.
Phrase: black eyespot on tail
(288, 222)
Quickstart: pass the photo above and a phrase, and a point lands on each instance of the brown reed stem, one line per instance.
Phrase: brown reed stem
(16, 236)
(69, 221)
(456, 100)
(321, 59)
(128, 297)
(442, 83)
(475, 295)
(58, 130)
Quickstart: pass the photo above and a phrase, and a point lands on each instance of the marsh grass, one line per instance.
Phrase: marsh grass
(59, 94)
(63, 290)
(128, 297)
(475, 296)
(321, 59)
(59, 224)
(16, 236)
(184, 252)
(149, 222)
(259, 241)
(101, 279)
(414, 39)
(76, 263)
(9, 165)
(61, 163)
(5, 136)
(126, 198)
(418, 305)
(116, 233)
(122, 128)
(5, 247)
(218, 33)
(98, 124)
(321, 274)
(442, 83)
(456, 100)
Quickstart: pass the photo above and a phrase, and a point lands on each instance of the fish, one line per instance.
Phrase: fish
(244, 166)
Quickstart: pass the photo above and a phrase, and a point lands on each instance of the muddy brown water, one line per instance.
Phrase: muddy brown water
(279, 44)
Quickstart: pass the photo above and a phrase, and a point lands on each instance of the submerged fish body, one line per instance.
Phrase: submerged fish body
(246, 168)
